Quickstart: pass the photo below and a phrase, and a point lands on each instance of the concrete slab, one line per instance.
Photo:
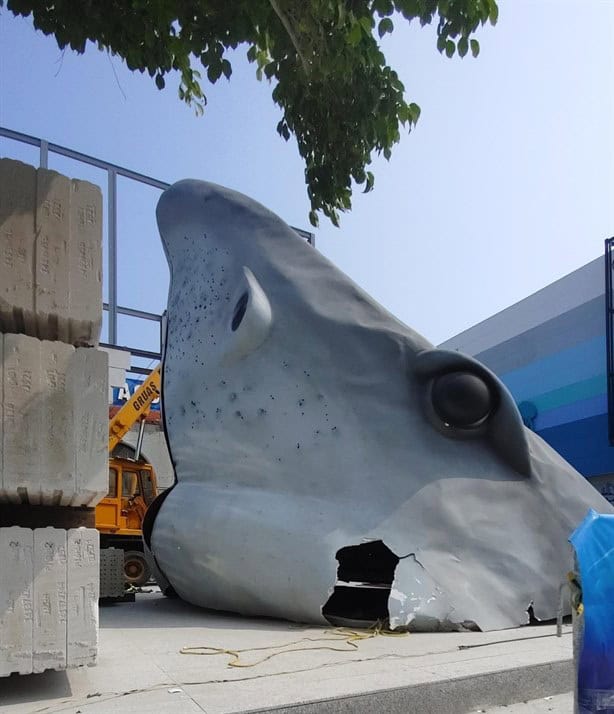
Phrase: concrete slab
(56, 440)
(51, 296)
(17, 231)
(85, 263)
(88, 387)
(16, 605)
(49, 622)
(82, 585)
(48, 599)
(22, 420)
(50, 255)
(140, 668)
(54, 430)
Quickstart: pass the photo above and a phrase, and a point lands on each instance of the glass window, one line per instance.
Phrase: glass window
(148, 489)
(130, 484)
(112, 484)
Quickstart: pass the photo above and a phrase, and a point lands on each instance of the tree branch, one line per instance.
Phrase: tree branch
(286, 23)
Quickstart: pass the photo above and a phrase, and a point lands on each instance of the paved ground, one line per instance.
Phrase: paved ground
(559, 704)
(293, 668)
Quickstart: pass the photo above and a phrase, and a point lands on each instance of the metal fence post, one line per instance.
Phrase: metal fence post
(112, 253)
(44, 155)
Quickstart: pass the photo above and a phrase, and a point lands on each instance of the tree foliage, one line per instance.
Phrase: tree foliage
(338, 96)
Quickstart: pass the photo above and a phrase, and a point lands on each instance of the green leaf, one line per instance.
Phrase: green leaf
(385, 25)
(355, 34)
(339, 98)
(383, 7)
(415, 112)
(214, 72)
(367, 24)
(493, 15)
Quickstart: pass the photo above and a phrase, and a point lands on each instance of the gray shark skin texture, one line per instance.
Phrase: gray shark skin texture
(302, 418)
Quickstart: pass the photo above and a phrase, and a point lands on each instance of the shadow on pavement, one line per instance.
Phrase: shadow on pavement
(28, 688)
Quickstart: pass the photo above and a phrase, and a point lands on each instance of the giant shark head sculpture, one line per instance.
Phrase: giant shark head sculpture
(330, 463)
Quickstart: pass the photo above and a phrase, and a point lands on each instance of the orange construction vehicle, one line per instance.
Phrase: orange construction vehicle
(132, 485)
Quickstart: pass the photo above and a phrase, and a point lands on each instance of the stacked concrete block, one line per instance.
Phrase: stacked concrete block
(54, 423)
(91, 426)
(16, 600)
(50, 255)
(83, 589)
(54, 418)
(48, 599)
(49, 633)
(17, 236)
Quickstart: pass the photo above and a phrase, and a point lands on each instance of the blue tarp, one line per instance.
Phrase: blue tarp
(593, 541)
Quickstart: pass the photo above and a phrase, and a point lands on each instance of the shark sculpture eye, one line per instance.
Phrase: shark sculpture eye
(461, 399)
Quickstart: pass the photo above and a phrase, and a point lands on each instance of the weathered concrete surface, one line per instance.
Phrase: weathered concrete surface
(141, 670)
(54, 426)
(48, 599)
(17, 236)
(50, 255)
(49, 617)
(83, 585)
(558, 704)
(16, 602)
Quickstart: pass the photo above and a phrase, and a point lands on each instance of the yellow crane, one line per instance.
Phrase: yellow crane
(132, 485)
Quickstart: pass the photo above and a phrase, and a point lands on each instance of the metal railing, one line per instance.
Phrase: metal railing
(113, 171)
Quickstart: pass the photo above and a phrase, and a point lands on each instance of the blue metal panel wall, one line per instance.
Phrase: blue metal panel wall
(560, 367)
(584, 443)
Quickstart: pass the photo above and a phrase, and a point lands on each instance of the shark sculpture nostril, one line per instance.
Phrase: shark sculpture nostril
(320, 421)
(239, 312)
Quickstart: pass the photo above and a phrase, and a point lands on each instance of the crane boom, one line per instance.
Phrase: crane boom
(135, 409)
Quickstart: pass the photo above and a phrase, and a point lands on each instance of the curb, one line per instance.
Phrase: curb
(451, 696)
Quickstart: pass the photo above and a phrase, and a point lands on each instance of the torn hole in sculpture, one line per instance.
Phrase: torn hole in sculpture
(376, 586)
(364, 579)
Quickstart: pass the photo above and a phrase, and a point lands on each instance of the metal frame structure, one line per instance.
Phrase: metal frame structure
(113, 171)
(609, 331)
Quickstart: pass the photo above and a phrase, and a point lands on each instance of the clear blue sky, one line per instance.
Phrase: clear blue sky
(506, 184)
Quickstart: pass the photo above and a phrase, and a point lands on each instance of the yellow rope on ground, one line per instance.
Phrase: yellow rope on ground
(338, 634)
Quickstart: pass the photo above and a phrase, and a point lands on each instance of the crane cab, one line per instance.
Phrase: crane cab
(119, 515)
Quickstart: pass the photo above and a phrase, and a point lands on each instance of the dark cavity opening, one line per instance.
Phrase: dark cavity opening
(364, 578)
(239, 313)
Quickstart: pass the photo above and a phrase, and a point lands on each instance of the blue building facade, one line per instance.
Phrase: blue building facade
(550, 351)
